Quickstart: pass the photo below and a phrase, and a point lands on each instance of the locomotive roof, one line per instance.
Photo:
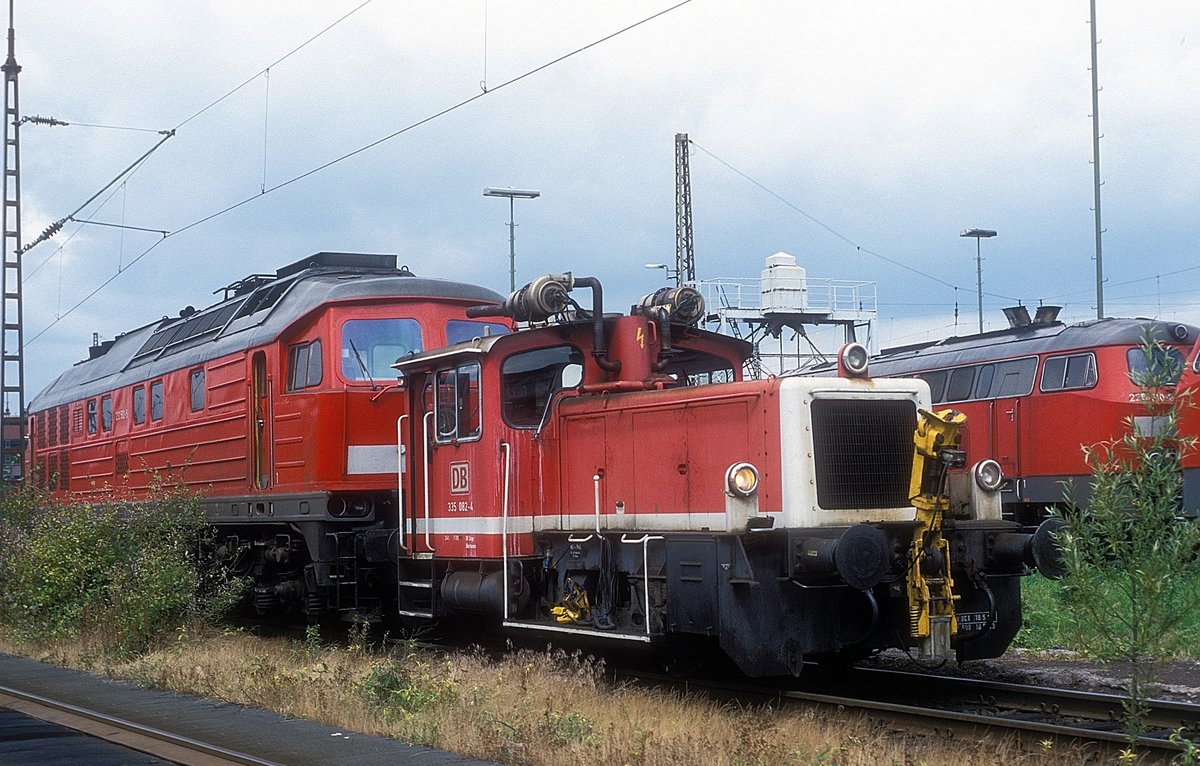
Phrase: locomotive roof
(260, 308)
(1036, 338)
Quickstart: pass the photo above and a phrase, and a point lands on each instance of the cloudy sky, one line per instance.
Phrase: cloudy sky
(879, 129)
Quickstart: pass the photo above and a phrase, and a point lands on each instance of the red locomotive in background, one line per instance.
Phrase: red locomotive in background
(1189, 426)
(1035, 394)
(601, 476)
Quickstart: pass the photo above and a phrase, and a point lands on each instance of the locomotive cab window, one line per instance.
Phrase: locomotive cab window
(371, 346)
(530, 378)
(305, 369)
(1062, 373)
(91, 416)
(106, 413)
(457, 403)
(1160, 364)
(696, 368)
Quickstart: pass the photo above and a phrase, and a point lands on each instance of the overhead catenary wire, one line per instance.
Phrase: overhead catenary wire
(833, 231)
(276, 62)
(55, 227)
(353, 153)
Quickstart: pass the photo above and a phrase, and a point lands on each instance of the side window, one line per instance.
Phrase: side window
(196, 385)
(983, 386)
(1054, 372)
(937, 384)
(305, 369)
(106, 413)
(1081, 371)
(457, 403)
(1014, 377)
(529, 379)
(961, 384)
(1061, 373)
(156, 400)
(690, 368)
(139, 404)
(91, 416)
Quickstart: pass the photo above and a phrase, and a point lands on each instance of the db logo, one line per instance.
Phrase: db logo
(460, 478)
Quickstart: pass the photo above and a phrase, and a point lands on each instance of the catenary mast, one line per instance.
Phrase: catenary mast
(12, 346)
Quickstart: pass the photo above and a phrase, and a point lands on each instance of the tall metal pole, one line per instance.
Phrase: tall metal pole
(1096, 167)
(979, 234)
(12, 345)
(979, 280)
(512, 246)
(512, 195)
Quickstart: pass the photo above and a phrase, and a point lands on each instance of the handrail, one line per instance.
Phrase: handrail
(425, 448)
(401, 453)
(504, 520)
(644, 540)
(596, 486)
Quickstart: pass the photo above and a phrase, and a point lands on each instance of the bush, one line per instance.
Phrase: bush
(119, 575)
(1132, 567)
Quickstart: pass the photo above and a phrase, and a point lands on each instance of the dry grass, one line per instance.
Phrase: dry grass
(527, 708)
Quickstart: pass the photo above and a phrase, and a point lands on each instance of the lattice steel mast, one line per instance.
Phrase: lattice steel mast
(685, 256)
(12, 340)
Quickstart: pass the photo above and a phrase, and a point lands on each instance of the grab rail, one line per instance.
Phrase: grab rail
(425, 447)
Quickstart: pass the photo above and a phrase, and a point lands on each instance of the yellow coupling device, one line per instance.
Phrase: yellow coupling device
(931, 594)
(574, 607)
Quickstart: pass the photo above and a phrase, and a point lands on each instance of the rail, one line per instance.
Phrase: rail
(136, 736)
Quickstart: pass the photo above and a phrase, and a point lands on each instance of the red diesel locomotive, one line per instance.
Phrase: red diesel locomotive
(614, 477)
(1037, 393)
(609, 477)
(273, 404)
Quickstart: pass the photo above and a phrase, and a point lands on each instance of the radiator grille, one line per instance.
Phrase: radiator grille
(863, 451)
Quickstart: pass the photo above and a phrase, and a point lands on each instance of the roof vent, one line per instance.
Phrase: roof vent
(1018, 316)
(1046, 314)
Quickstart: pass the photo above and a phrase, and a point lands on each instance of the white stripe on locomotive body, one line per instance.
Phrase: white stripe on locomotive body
(682, 521)
(796, 395)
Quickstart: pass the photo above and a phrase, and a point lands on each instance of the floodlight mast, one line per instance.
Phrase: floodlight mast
(512, 194)
(979, 234)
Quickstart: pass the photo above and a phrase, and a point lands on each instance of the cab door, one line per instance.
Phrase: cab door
(260, 423)
(452, 479)
(1011, 381)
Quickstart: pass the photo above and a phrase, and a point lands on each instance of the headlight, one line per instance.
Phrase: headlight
(854, 359)
(988, 475)
(741, 479)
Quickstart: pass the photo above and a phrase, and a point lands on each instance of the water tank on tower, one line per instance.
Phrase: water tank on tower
(784, 286)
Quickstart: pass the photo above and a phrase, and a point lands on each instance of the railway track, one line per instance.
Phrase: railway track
(145, 739)
(967, 708)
